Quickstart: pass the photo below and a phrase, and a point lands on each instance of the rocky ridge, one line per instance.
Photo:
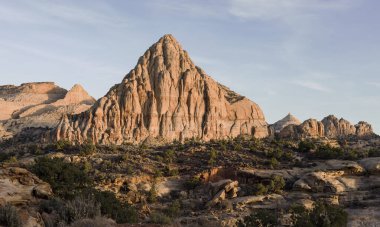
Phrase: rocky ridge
(330, 127)
(165, 97)
(38, 105)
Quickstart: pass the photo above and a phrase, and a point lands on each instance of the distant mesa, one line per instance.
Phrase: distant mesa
(165, 97)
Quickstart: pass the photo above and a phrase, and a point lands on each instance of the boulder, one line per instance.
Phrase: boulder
(372, 165)
(321, 182)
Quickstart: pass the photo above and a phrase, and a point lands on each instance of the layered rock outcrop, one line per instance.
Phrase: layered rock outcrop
(329, 127)
(165, 96)
(38, 105)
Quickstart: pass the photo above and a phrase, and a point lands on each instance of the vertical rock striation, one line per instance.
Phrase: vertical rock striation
(165, 97)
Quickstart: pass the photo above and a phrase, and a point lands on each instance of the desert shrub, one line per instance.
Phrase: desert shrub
(66, 179)
(169, 156)
(160, 218)
(96, 222)
(212, 157)
(4, 156)
(328, 152)
(171, 171)
(87, 166)
(62, 145)
(260, 218)
(306, 146)
(9, 216)
(174, 209)
(80, 208)
(152, 194)
(54, 204)
(35, 149)
(111, 207)
(277, 183)
(192, 183)
(374, 152)
(273, 163)
(260, 189)
(87, 148)
(274, 153)
(322, 214)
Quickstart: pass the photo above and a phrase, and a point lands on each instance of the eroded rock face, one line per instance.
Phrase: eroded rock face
(165, 96)
(38, 105)
(330, 127)
(337, 128)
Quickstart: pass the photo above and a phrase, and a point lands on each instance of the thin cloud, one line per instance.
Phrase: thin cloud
(214, 9)
(60, 12)
(375, 84)
(282, 9)
(312, 85)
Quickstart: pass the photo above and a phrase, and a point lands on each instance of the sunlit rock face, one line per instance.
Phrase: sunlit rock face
(330, 127)
(38, 105)
(167, 97)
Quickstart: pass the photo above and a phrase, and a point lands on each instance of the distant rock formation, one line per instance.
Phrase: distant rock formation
(287, 120)
(330, 127)
(38, 105)
(165, 97)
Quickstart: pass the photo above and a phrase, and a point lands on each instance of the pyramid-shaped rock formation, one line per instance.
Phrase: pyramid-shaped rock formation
(287, 120)
(165, 97)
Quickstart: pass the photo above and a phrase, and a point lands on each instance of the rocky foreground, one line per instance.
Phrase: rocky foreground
(218, 183)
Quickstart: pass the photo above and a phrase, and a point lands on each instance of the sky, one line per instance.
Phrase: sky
(308, 57)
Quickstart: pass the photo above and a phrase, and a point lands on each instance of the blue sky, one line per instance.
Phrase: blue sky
(308, 57)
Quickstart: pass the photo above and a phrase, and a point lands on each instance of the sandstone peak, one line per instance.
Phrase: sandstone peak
(287, 120)
(77, 95)
(165, 97)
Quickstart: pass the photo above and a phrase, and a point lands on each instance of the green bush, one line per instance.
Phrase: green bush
(62, 145)
(160, 218)
(260, 218)
(87, 148)
(66, 179)
(89, 204)
(174, 209)
(169, 156)
(4, 156)
(321, 215)
(374, 152)
(260, 189)
(171, 171)
(277, 183)
(80, 208)
(306, 146)
(152, 194)
(111, 207)
(273, 163)
(192, 183)
(9, 216)
(212, 157)
(328, 152)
